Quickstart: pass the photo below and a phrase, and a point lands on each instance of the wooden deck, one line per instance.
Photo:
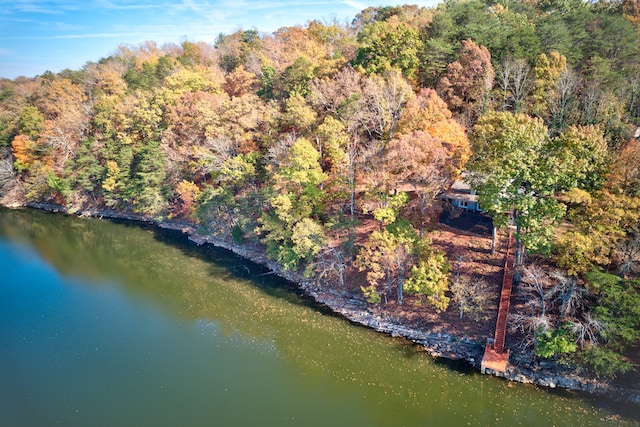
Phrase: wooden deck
(495, 357)
(493, 360)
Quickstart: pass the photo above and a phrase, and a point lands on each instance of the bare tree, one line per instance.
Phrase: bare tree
(331, 264)
(7, 174)
(564, 98)
(536, 289)
(629, 252)
(470, 295)
(587, 329)
(590, 103)
(385, 98)
(568, 294)
(514, 80)
(634, 97)
(560, 294)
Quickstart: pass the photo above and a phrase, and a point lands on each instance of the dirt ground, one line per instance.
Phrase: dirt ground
(470, 257)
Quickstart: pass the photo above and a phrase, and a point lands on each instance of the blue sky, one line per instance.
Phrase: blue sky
(40, 35)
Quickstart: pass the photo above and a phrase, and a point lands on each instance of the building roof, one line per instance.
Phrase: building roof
(460, 186)
(455, 195)
(460, 190)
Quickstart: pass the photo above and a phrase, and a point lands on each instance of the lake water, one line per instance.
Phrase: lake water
(107, 324)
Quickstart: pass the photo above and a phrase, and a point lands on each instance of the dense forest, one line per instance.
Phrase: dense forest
(293, 140)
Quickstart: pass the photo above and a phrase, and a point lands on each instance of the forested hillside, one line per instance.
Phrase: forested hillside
(293, 140)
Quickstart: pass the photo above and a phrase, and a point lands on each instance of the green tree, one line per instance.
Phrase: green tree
(31, 122)
(296, 77)
(86, 170)
(290, 227)
(383, 46)
(618, 308)
(142, 79)
(297, 115)
(146, 187)
(515, 174)
(553, 342)
(605, 362)
(583, 156)
(332, 141)
(386, 257)
(430, 277)
(547, 71)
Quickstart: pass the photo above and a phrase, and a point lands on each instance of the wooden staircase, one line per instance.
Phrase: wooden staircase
(495, 357)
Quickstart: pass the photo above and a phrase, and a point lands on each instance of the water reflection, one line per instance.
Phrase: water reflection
(178, 328)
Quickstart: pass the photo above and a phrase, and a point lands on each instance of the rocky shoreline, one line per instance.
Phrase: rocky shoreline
(358, 311)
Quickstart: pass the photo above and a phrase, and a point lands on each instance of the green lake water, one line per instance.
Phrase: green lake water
(110, 324)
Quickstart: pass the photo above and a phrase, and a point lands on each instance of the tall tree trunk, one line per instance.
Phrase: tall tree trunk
(494, 232)
(520, 249)
(352, 212)
(566, 297)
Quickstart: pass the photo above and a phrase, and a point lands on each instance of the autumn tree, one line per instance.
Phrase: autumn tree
(66, 120)
(240, 82)
(384, 99)
(188, 128)
(338, 40)
(430, 150)
(563, 102)
(603, 226)
(468, 81)
(238, 49)
(187, 195)
(298, 116)
(624, 181)
(427, 112)
(24, 152)
(625, 170)
(7, 173)
(342, 98)
(397, 259)
(421, 161)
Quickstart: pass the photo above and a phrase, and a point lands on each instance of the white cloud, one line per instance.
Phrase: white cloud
(45, 7)
(359, 6)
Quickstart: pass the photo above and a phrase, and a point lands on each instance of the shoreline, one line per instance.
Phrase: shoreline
(358, 311)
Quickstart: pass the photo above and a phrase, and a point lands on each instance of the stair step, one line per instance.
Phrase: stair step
(505, 297)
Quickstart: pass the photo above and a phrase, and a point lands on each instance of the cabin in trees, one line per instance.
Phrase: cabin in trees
(462, 196)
